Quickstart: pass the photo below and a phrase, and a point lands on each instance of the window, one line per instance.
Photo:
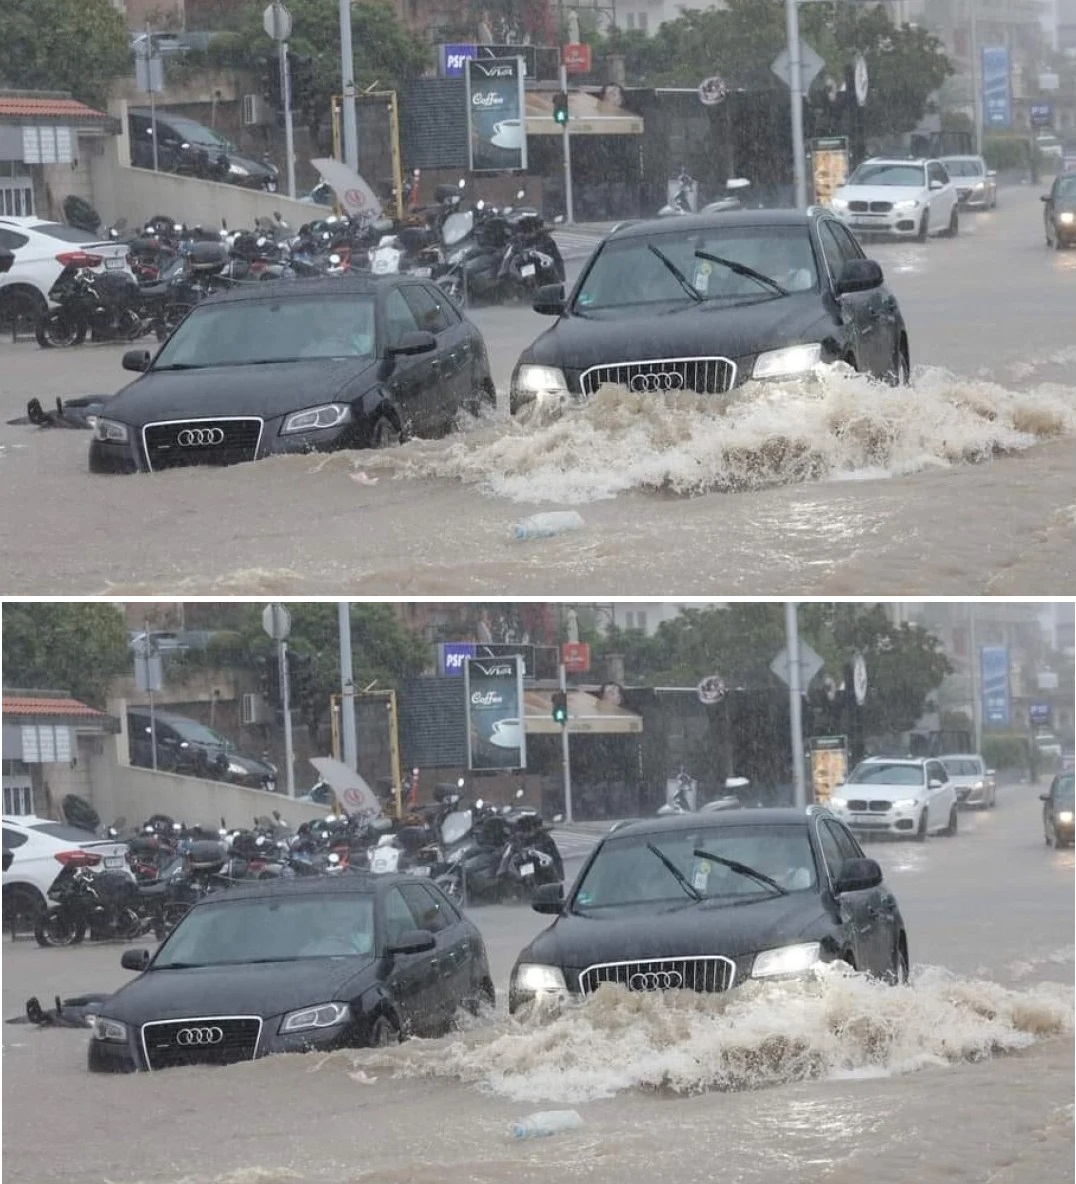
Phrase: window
(425, 906)
(846, 844)
(17, 198)
(831, 849)
(846, 242)
(426, 310)
(12, 838)
(398, 917)
(11, 240)
(18, 799)
(831, 248)
(936, 772)
(631, 20)
(399, 318)
(642, 22)
(936, 172)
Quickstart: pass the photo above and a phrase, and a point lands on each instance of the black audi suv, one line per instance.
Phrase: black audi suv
(706, 302)
(704, 902)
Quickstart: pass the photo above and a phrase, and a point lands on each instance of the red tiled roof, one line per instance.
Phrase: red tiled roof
(26, 705)
(18, 107)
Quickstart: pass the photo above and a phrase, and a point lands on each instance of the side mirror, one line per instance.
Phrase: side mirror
(413, 941)
(549, 300)
(858, 275)
(991, 772)
(134, 959)
(934, 783)
(1044, 797)
(136, 359)
(418, 341)
(991, 172)
(548, 898)
(858, 874)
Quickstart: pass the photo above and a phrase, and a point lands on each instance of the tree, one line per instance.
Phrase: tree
(71, 45)
(71, 647)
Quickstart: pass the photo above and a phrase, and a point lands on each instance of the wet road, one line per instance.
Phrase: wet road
(966, 1076)
(963, 484)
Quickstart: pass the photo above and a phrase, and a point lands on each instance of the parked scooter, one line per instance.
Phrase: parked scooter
(682, 201)
(735, 198)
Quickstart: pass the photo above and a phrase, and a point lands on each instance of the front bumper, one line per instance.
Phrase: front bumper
(1065, 232)
(895, 223)
(902, 822)
(972, 796)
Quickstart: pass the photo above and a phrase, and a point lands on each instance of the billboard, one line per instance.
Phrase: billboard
(454, 59)
(494, 693)
(994, 665)
(829, 765)
(496, 119)
(997, 88)
(451, 655)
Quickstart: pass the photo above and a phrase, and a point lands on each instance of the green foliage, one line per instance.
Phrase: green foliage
(1006, 152)
(69, 45)
(1003, 751)
(65, 647)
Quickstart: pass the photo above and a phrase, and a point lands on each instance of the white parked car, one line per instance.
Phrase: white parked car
(975, 784)
(40, 850)
(976, 185)
(900, 796)
(42, 250)
(906, 198)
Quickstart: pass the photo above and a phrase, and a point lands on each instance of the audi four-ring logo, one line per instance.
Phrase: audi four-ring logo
(189, 1036)
(662, 380)
(656, 980)
(200, 437)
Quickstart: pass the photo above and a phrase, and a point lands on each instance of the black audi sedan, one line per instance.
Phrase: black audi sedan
(300, 366)
(1059, 212)
(295, 966)
(704, 902)
(706, 302)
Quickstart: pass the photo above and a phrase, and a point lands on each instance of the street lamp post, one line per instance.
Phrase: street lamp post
(347, 78)
(795, 86)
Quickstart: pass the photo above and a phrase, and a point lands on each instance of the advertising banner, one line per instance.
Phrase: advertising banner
(454, 59)
(829, 167)
(829, 765)
(496, 123)
(997, 88)
(453, 656)
(494, 690)
(995, 685)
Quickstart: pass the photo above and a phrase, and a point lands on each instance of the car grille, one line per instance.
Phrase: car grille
(858, 806)
(179, 443)
(706, 974)
(169, 1043)
(704, 376)
(875, 207)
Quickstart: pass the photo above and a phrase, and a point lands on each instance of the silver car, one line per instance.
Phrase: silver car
(976, 185)
(975, 784)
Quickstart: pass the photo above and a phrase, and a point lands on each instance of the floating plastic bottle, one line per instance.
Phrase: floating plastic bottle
(545, 526)
(545, 1122)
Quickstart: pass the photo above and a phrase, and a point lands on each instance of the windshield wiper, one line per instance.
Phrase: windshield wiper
(744, 270)
(681, 279)
(689, 888)
(179, 366)
(743, 870)
(179, 965)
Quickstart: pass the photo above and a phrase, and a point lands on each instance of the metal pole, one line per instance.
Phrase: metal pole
(347, 77)
(565, 751)
(394, 753)
(976, 688)
(152, 711)
(566, 141)
(334, 725)
(397, 165)
(347, 686)
(976, 82)
(152, 111)
(795, 703)
(289, 135)
(795, 79)
(285, 696)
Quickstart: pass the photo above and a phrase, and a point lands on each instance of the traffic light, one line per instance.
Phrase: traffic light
(560, 707)
(560, 108)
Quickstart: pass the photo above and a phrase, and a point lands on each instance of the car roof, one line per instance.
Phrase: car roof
(26, 220)
(898, 760)
(324, 285)
(958, 756)
(349, 883)
(746, 816)
(689, 222)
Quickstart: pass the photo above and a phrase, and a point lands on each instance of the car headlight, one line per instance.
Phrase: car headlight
(110, 431)
(839, 203)
(979, 785)
(535, 978)
(838, 803)
(1067, 217)
(1065, 816)
(540, 383)
(786, 960)
(331, 415)
(780, 363)
(324, 1015)
(236, 770)
(237, 170)
(905, 804)
(113, 1031)
(908, 204)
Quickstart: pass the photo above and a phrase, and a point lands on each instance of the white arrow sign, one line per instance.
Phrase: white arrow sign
(810, 66)
(810, 664)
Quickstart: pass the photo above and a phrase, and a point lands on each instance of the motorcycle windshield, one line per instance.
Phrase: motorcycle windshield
(457, 227)
(455, 826)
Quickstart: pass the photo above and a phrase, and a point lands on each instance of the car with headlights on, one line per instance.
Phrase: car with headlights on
(296, 367)
(1059, 212)
(975, 784)
(902, 198)
(906, 797)
(976, 184)
(706, 902)
(1059, 811)
(706, 302)
(294, 966)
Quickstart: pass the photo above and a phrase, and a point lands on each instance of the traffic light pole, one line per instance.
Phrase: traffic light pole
(565, 750)
(569, 218)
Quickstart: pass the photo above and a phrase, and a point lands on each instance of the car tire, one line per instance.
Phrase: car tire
(58, 330)
(383, 1033)
(21, 304)
(954, 224)
(23, 904)
(924, 227)
(383, 433)
(1058, 244)
(57, 929)
(1058, 843)
(951, 830)
(921, 830)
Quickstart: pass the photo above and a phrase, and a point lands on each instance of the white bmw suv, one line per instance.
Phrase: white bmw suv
(905, 198)
(901, 796)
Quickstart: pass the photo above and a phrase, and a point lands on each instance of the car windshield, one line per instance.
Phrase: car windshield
(282, 330)
(714, 264)
(880, 773)
(1066, 186)
(1063, 793)
(267, 930)
(964, 168)
(909, 175)
(635, 869)
(965, 768)
(197, 133)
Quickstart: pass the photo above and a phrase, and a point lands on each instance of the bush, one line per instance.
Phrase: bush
(1005, 152)
(1002, 751)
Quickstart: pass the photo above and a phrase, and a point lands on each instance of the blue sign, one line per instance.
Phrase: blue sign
(1039, 714)
(997, 87)
(1042, 114)
(454, 59)
(454, 655)
(997, 708)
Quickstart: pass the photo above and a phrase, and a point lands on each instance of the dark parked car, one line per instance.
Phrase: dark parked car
(1059, 213)
(291, 966)
(1059, 812)
(703, 902)
(184, 146)
(186, 746)
(296, 367)
(706, 302)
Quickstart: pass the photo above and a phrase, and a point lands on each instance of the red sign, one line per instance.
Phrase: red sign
(576, 657)
(576, 58)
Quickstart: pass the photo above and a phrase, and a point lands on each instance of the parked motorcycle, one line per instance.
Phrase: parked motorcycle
(108, 904)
